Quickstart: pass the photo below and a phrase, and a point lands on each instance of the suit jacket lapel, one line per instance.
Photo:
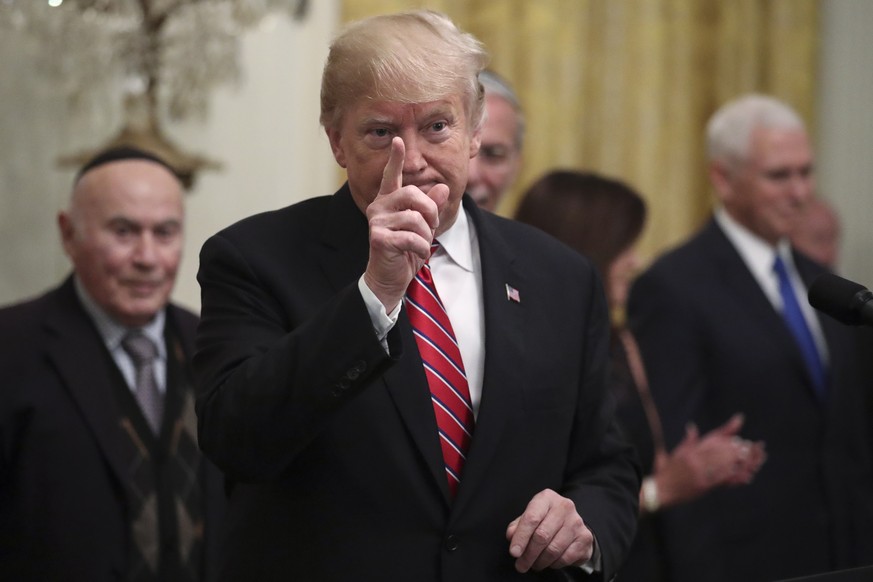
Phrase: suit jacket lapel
(735, 275)
(749, 296)
(343, 252)
(407, 385)
(504, 349)
(75, 349)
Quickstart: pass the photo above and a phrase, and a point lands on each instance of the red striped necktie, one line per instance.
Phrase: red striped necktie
(444, 369)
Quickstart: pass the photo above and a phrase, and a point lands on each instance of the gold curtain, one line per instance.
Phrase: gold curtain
(624, 87)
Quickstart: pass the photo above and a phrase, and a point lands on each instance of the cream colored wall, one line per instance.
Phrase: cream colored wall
(274, 150)
(845, 129)
(265, 131)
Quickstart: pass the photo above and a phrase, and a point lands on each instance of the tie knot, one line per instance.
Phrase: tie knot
(141, 349)
(779, 266)
(424, 271)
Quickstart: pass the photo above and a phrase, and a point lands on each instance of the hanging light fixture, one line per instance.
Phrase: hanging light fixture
(163, 57)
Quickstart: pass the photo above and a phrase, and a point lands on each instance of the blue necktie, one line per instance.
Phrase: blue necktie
(797, 324)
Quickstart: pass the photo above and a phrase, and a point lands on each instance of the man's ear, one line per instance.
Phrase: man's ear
(335, 138)
(722, 178)
(475, 143)
(67, 231)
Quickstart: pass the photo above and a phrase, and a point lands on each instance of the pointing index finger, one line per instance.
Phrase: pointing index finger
(392, 175)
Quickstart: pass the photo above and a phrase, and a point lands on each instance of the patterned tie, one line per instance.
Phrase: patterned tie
(797, 324)
(143, 352)
(444, 369)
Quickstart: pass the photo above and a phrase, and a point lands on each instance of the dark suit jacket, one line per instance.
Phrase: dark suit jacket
(334, 443)
(714, 345)
(63, 508)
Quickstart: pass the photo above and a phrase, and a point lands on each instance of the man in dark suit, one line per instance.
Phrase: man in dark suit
(712, 319)
(313, 393)
(101, 478)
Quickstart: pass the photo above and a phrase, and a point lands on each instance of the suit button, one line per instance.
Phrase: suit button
(452, 543)
(340, 387)
(360, 367)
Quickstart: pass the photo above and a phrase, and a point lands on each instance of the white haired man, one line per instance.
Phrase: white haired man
(724, 326)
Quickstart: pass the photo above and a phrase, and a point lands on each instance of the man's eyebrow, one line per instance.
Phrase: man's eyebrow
(376, 120)
(121, 220)
(440, 109)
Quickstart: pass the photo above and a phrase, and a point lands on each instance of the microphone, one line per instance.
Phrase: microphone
(844, 300)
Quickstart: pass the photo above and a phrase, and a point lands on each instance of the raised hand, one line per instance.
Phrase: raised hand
(402, 220)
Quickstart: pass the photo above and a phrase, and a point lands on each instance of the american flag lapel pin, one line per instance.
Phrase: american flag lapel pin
(512, 294)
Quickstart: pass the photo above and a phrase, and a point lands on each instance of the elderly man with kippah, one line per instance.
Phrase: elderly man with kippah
(101, 478)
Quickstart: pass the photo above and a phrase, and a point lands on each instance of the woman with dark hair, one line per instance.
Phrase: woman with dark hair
(602, 219)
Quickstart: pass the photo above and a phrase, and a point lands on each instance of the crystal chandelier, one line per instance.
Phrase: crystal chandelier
(166, 55)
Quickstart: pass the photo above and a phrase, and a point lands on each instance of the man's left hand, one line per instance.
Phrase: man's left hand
(549, 534)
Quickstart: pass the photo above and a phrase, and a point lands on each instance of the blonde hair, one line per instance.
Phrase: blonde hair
(408, 57)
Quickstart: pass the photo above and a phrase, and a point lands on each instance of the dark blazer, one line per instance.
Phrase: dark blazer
(334, 443)
(63, 508)
(714, 345)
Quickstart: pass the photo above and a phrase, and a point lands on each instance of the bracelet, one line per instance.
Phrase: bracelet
(651, 503)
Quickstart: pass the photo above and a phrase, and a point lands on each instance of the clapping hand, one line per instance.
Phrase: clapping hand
(698, 464)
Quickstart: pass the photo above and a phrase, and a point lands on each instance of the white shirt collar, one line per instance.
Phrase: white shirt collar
(757, 253)
(759, 256)
(457, 243)
(112, 332)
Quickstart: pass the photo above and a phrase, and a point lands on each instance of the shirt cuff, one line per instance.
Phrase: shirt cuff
(382, 321)
(594, 562)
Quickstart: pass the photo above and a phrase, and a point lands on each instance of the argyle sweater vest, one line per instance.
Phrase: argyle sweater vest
(164, 479)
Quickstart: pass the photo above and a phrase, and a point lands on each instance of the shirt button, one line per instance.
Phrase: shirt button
(452, 543)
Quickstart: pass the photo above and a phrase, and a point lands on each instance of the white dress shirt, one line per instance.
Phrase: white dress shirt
(113, 332)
